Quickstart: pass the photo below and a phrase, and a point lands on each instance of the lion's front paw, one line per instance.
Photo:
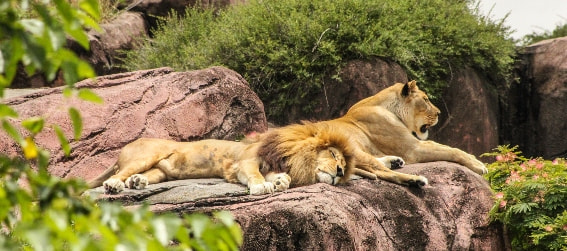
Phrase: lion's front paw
(281, 182)
(479, 168)
(392, 162)
(137, 181)
(263, 188)
(419, 182)
(113, 186)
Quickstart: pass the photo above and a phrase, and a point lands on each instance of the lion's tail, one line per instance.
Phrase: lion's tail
(96, 182)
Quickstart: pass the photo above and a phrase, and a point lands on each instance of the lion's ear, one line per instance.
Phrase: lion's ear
(409, 88)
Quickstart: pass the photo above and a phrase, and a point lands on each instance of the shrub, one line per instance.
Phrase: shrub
(530, 196)
(287, 48)
(47, 213)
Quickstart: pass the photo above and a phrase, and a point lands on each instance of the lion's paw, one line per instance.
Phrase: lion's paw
(419, 182)
(479, 167)
(281, 182)
(392, 162)
(113, 186)
(137, 181)
(263, 188)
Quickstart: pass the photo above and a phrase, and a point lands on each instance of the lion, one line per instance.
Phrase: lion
(149, 160)
(283, 147)
(395, 121)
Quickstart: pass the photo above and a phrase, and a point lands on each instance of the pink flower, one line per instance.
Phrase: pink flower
(545, 175)
(503, 204)
(548, 228)
(555, 162)
(535, 177)
(532, 162)
(564, 228)
(523, 166)
(499, 158)
(499, 195)
(539, 166)
(514, 176)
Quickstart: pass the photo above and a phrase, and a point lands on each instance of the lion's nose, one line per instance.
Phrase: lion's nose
(340, 172)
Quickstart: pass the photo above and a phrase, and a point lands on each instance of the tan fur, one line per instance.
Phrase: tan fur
(148, 161)
(395, 122)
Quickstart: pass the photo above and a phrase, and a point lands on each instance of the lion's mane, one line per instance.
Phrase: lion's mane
(293, 149)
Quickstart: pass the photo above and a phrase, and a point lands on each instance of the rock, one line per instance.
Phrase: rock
(469, 114)
(360, 79)
(449, 214)
(161, 8)
(183, 106)
(120, 34)
(536, 113)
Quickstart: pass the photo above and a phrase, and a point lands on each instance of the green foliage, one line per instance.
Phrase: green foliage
(41, 212)
(559, 31)
(38, 43)
(50, 215)
(530, 196)
(287, 48)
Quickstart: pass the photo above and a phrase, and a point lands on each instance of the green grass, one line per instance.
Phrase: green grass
(286, 48)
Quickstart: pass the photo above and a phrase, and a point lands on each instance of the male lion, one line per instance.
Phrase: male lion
(395, 121)
(148, 161)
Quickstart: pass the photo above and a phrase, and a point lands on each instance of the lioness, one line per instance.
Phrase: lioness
(395, 121)
(148, 161)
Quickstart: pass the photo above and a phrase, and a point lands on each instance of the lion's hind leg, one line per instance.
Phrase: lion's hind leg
(113, 186)
(281, 181)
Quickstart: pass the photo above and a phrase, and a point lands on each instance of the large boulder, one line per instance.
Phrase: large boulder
(535, 117)
(183, 106)
(451, 213)
(469, 114)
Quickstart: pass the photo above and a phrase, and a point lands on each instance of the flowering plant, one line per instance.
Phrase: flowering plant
(530, 199)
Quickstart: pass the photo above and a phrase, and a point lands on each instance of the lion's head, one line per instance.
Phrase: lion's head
(416, 110)
(309, 154)
(331, 166)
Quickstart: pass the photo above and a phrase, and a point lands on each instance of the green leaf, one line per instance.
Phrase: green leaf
(91, 7)
(62, 140)
(34, 124)
(88, 95)
(67, 92)
(165, 227)
(12, 132)
(77, 122)
(6, 111)
(34, 26)
(38, 238)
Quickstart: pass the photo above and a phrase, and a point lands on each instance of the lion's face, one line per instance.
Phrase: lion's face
(418, 112)
(331, 166)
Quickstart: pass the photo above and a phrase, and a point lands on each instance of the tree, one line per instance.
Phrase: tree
(48, 214)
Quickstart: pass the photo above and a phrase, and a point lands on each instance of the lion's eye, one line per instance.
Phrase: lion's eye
(333, 154)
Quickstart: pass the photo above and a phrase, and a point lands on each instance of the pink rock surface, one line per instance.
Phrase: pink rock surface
(451, 213)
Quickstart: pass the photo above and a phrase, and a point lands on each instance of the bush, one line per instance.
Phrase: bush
(41, 212)
(530, 196)
(287, 48)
